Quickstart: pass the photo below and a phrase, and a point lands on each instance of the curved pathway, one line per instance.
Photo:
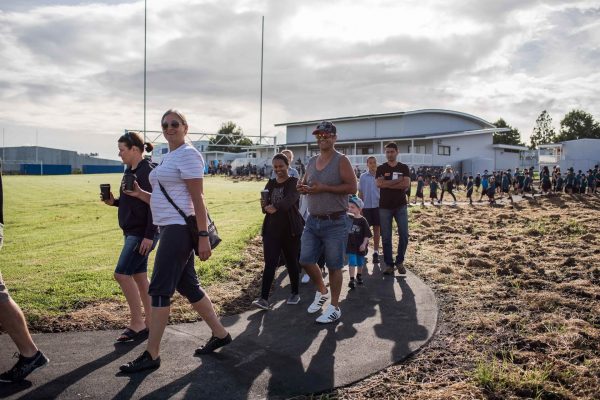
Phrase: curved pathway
(275, 354)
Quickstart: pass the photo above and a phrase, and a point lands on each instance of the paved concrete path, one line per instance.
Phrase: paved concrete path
(275, 354)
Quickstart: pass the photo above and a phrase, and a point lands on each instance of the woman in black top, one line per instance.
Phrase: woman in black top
(135, 219)
(281, 230)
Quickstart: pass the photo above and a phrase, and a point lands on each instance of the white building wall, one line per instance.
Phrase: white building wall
(463, 148)
(506, 160)
(580, 154)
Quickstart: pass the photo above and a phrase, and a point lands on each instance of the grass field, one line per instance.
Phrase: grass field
(62, 242)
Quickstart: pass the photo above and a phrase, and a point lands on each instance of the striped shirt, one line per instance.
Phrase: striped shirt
(185, 162)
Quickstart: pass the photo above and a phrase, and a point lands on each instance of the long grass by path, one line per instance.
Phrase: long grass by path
(62, 243)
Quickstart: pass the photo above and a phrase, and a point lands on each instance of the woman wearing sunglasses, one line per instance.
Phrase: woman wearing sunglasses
(181, 176)
(140, 236)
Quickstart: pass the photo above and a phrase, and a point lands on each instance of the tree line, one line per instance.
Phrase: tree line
(576, 124)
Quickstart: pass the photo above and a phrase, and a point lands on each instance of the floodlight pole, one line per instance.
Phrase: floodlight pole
(145, 19)
(262, 45)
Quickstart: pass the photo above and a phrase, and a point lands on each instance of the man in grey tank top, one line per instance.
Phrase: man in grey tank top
(328, 181)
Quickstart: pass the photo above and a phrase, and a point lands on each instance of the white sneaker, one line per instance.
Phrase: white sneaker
(318, 302)
(330, 315)
(305, 278)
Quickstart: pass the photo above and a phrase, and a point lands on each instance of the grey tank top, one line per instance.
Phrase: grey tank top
(326, 203)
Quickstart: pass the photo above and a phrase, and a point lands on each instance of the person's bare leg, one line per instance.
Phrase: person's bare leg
(376, 238)
(205, 309)
(160, 318)
(130, 290)
(141, 280)
(13, 322)
(336, 279)
(316, 277)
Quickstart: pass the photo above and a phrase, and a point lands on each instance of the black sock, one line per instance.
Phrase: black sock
(351, 278)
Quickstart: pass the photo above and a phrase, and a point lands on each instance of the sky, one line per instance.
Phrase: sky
(72, 71)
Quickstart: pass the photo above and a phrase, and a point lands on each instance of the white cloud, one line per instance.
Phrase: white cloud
(76, 70)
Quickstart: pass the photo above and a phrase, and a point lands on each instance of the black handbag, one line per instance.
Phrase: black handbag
(190, 220)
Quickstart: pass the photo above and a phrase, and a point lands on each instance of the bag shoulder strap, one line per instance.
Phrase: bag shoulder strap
(170, 200)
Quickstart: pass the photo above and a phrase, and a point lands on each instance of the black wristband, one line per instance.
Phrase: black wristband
(203, 233)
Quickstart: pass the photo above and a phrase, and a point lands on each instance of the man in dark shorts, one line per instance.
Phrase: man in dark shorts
(368, 192)
(13, 322)
(328, 181)
(393, 179)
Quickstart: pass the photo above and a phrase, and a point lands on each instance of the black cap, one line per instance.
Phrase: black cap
(327, 127)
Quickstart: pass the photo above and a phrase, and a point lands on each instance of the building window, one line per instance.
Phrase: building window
(443, 150)
(419, 149)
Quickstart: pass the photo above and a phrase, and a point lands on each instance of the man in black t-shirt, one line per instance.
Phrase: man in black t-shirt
(393, 179)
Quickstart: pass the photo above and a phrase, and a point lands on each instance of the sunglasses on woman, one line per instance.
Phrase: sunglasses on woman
(174, 124)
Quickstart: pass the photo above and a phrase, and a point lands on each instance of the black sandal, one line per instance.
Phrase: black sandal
(129, 335)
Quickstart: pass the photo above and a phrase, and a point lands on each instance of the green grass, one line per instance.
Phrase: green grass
(62, 243)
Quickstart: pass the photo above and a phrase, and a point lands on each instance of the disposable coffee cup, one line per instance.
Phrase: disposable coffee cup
(264, 195)
(128, 180)
(105, 191)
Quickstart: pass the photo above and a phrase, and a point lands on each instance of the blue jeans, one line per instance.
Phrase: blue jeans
(401, 216)
(325, 236)
(131, 262)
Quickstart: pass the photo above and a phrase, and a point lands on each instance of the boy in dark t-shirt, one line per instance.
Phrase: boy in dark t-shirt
(469, 186)
(420, 186)
(358, 239)
(433, 188)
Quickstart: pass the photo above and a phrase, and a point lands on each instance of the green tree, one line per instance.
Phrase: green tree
(229, 138)
(510, 137)
(543, 132)
(578, 124)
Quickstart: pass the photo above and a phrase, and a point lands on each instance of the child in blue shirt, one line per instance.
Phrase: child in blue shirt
(358, 239)
(484, 185)
(506, 185)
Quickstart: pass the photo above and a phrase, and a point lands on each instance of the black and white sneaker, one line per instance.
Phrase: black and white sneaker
(24, 367)
(293, 299)
(330, 315)
(351, 284)
(318, 302)
(261, 303)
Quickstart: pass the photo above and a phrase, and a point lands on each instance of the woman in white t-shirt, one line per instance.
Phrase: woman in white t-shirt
(181, 175)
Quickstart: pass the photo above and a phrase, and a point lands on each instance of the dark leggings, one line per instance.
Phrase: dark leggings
(273, 246)
(449, 190)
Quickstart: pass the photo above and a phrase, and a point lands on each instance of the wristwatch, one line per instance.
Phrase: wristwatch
(202, 233)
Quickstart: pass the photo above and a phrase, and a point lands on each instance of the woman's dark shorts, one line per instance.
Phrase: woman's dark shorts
(372, 216)
(174, 265)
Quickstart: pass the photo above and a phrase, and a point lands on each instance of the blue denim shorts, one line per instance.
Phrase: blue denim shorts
(327, 236)
(356, 260)
(131, 261)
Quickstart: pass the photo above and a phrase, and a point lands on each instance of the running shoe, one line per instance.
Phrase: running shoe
(330, 315)
(318, 302)
(24, 366)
